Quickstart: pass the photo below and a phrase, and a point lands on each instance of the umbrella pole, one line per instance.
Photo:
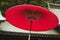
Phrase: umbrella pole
(29, 36)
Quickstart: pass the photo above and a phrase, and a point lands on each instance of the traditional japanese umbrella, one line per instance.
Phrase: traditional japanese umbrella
(31, 18)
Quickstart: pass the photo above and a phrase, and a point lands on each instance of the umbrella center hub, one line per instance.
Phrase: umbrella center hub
(32, 15)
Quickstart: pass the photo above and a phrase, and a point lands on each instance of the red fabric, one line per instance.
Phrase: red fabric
(48, 21)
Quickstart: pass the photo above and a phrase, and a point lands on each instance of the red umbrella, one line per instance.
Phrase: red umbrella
(42, 18)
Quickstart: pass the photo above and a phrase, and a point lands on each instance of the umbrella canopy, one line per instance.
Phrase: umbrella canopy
(21, 15)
